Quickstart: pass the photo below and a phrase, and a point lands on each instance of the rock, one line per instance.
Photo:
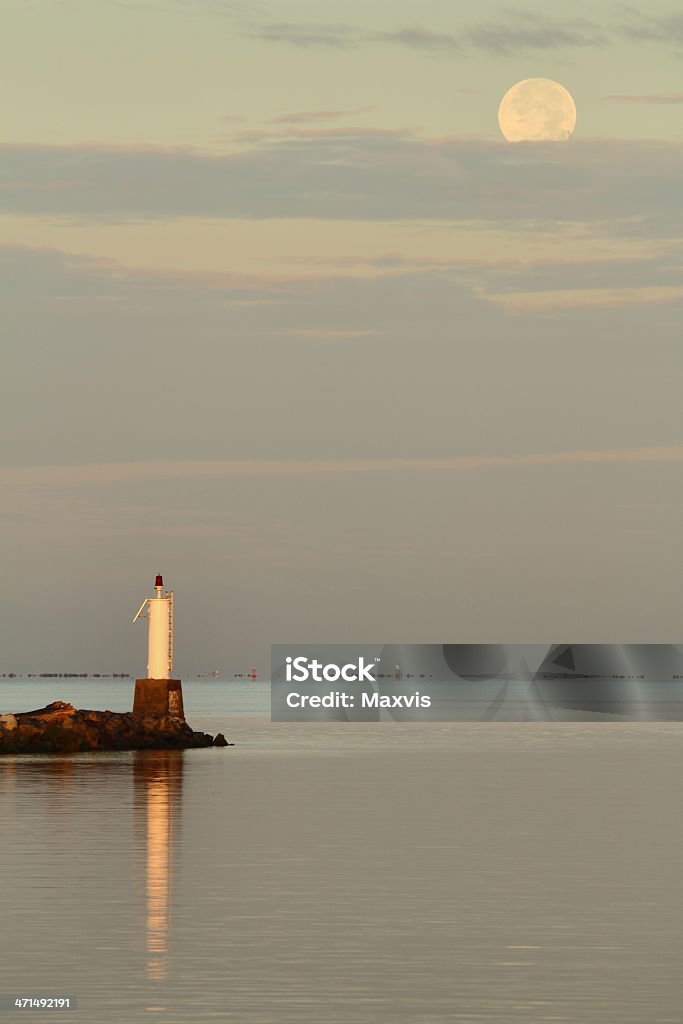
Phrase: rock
(219, 740)
(61, 728)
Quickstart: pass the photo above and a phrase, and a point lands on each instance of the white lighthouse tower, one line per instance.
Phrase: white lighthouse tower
(158, 695)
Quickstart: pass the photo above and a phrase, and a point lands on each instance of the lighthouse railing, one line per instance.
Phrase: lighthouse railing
(170, 632)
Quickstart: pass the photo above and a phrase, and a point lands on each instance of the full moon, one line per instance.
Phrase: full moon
(537, 110)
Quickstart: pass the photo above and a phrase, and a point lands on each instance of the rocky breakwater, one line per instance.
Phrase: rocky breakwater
(61, 728)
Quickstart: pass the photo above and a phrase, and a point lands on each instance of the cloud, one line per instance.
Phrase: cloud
(651, 275)
(654, 98)
(659, 270)
(504, 36)
(322, 333)
(50, 273)
(500, 37)
(310, 34)
(639, 27)
(194, 8)
(662, 265)
(356, 174)
(341, 133)
(305, 116)
(538, 34)
(416, 38)
(109, 365)
(604, 298)
(132, 472)
(548, 284)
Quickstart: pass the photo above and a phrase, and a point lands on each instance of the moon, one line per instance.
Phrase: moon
(537, 110)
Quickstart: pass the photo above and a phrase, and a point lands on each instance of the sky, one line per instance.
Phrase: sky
(285, 318)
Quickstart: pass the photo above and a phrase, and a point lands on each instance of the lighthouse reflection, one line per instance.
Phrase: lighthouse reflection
(158, 777)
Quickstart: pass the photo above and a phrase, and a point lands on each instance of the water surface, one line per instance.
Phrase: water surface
(321, 874)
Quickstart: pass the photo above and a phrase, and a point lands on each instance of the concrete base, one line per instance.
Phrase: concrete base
(158, 698)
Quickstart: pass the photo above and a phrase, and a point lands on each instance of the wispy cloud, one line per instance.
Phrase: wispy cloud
(52, 273)
(131, 472)
(310, 34)
(655, 98)
(640, 26)
(416, 38)
(510, 37)
(196, 8)
(415, 364)
(324, 332)
(596, 298)
(505, 35)
(342, 134)
(306, 116)
(650, 275)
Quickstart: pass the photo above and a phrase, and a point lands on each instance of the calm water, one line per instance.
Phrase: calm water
(337, 873)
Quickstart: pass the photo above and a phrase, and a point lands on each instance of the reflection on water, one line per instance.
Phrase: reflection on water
(403, 875)
(158, 778)
(88, 841)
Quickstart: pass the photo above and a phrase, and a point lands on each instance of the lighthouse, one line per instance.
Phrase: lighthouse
(157, 695)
